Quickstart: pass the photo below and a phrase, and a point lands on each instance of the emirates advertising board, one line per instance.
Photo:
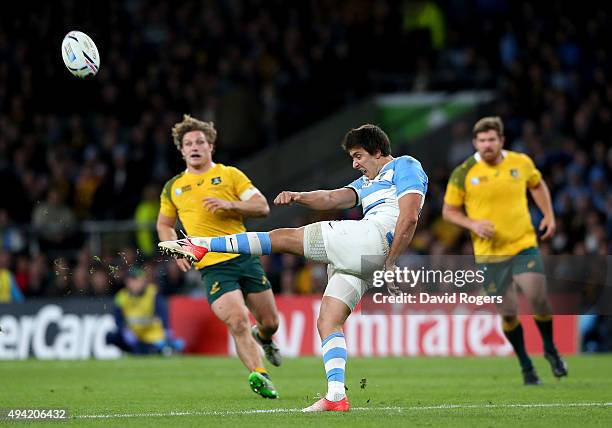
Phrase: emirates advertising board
(76, 329)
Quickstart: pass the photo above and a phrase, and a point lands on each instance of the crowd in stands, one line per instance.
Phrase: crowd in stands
(73, 151)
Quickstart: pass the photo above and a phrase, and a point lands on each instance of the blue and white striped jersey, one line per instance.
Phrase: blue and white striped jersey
(379, 197)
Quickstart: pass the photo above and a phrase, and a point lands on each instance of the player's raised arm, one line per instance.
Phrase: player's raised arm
(319, 199)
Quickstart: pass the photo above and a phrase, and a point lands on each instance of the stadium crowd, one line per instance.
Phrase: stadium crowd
(98, 150)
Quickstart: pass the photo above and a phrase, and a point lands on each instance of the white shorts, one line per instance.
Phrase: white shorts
(352, 249)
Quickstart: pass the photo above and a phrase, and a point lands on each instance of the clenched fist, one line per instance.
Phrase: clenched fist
(287, 198)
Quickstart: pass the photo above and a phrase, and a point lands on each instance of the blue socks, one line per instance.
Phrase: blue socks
(334, 357)
(255, 243)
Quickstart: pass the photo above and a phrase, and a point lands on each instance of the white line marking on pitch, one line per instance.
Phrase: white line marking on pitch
(359, 409)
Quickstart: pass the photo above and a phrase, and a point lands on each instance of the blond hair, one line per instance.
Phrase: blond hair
(490, 123)
(191, 124)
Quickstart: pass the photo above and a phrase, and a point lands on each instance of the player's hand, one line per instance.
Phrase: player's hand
(392, 286)
(183, 264)
(483, 228)
(215, 204)
(548, 226)
(287, 198)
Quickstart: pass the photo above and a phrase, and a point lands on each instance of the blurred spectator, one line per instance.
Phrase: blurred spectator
(289, 263)
(146, 216)
(22, 272)
(311, 278)
(54, 222)
(120, 183)
(80, 281)
(461, 146)
(11, 237)
(100, 282)
(170, 279)
(141, 317)
(9, 290)
(39, 280)
(62, 277)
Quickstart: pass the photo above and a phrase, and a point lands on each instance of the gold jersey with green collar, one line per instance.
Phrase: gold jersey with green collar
(497, 193)
(183, 197)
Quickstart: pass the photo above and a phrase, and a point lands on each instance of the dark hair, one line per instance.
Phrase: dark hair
(369, 137)
(490, 123)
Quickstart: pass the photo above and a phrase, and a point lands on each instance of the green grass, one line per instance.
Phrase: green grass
(398, 392)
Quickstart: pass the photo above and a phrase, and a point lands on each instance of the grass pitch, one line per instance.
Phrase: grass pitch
(193, 391)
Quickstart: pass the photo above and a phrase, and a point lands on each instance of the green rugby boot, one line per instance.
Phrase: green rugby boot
(261, 385)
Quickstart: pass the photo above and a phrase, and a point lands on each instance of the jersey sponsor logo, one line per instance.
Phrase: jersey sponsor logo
(215, 181)
(215, 287)
(232, 243)
(181, 190)
(479, 180)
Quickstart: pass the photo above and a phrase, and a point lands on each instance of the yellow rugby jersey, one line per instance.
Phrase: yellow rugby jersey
(139, 314)
(5, 286)
(499, 194)
(183, 197)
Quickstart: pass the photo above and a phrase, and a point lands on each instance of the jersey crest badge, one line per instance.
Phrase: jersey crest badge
(215, 181)
(514, 173)
(215, 287)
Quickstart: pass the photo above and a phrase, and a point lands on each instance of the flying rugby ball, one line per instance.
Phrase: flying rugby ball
(80, 54)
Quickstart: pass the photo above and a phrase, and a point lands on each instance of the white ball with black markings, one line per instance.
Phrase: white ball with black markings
(80, 54)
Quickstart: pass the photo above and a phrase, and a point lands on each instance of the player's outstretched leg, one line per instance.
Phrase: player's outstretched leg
(195, 248)
(545, 326)
(288, 240)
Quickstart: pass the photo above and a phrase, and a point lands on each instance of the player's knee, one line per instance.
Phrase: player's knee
(238, 324)
(270, 324)
(326, 325)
